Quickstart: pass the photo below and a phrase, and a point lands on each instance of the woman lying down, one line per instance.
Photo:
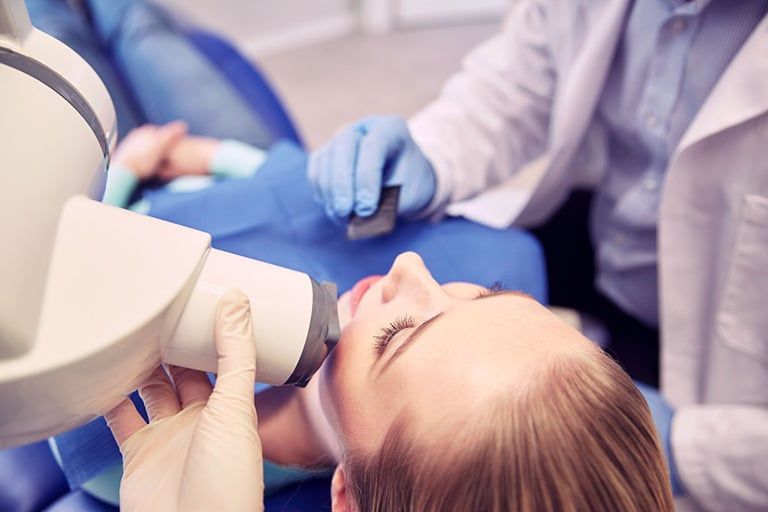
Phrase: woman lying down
(437, 398)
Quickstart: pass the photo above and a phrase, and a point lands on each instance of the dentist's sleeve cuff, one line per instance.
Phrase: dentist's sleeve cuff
(235, 159)
(121, 183)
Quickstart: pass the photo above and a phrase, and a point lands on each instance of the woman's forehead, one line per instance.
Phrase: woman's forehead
(486, 340)
(461, 288)
(483, 336)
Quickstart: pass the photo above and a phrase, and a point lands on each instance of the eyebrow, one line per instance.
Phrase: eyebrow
(409, 341)
(423, 327)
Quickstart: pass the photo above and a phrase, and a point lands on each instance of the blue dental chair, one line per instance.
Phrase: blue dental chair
(30, 478)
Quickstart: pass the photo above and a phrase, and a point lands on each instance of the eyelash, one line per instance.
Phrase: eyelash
(382, 339)
(387, 333)
(495, 287)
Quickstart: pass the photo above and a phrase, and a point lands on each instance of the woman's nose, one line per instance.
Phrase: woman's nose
(409, 276)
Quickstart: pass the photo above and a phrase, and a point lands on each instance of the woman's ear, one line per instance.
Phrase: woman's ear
(341, 501)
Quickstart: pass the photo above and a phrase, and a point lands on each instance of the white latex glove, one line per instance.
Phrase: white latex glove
(201, 450)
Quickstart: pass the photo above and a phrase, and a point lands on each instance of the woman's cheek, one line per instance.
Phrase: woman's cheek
(340, 358)
(344, 376)
(345, 314)
(346, 363)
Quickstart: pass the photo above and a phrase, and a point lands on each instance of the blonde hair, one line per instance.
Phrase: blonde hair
(579, 438)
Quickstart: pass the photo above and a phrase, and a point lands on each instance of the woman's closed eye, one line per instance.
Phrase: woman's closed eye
(493, 289)
(388, 333)
(381, 340)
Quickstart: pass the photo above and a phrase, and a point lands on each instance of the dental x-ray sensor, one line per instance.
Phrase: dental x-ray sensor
(92, 297)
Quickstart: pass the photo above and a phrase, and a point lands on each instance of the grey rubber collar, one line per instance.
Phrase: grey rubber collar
(322, 335)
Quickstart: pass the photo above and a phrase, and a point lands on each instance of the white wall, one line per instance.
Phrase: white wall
(382, 16)
(261, 27)
(264, 26)
(410, 12)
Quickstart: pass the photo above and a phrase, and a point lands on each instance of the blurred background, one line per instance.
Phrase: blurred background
(334, 61)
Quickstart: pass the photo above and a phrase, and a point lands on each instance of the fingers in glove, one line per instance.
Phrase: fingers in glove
(235, 344)
(192, 386)
(124, 421)
(314, 170)
(323, 188)
(331, 172)
(159, 396)
(375, 152)
(343, 162)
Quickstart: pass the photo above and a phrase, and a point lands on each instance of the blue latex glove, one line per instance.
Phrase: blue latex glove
(349, 172)
(662, 414)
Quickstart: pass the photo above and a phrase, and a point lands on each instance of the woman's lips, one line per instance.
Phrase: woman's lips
(359, 290)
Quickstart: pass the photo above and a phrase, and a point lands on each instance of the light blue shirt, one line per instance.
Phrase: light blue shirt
(671, 55)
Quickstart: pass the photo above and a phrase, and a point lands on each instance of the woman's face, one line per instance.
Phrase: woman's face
(411, 346)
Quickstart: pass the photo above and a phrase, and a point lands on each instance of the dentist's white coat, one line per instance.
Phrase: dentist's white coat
(513, 132)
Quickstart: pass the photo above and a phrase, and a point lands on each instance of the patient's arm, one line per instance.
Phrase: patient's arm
(195, 155)
(166, 153)
(138, 158)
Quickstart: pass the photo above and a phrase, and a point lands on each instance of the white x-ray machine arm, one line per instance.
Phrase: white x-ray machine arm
(93, 297)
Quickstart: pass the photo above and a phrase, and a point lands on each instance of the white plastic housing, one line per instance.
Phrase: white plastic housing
(281, 309)
(48, 153)
(91, 295)
(116, 287)
(125, 292)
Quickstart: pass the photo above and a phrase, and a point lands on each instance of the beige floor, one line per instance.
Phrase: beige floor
(336, 82)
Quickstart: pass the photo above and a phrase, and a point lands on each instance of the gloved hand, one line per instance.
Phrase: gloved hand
(662, 414)
(201, 450)
(349, 172)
